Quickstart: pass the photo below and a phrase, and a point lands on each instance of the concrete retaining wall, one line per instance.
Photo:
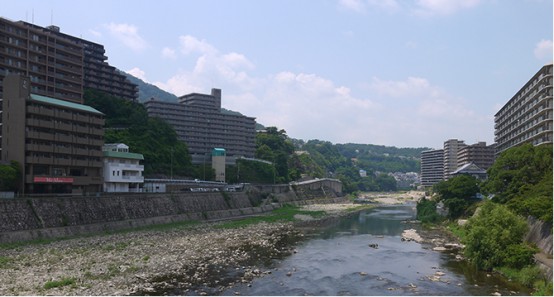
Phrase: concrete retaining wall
(34, 218)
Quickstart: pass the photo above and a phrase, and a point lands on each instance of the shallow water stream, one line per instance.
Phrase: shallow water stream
(339, 261)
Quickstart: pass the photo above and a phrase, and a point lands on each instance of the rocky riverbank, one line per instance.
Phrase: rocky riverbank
(194, 260)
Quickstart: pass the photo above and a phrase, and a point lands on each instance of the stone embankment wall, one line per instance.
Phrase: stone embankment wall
(34, 218)
(540, 234)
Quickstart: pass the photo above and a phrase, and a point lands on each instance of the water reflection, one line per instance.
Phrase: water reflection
(340, 261)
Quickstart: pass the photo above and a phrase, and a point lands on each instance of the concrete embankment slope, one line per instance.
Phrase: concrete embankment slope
(35, 218)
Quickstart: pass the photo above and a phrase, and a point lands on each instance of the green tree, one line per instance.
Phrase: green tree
(457, 194)
(494, 238)
(274, 146)
(128, 122)
(427, 211)
(521, 177)
(10, 175)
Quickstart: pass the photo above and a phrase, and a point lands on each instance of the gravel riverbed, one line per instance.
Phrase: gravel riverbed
(195, 260)
(200, 259)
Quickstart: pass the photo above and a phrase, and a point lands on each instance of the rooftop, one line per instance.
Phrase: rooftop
(63, 103)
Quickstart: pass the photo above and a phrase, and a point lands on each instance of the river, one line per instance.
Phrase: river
(338, 260)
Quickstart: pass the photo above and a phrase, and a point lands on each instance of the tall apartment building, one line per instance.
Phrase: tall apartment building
(59, 65)
(54, 64)
(451, 148)
(199, 122)
(527, 116)
(479, 154)
(58, 143)
(432, 167)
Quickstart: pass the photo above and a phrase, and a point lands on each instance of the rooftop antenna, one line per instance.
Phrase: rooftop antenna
(52, 17)
(33, 16)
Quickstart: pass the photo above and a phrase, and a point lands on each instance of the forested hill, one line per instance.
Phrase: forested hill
(369, 157)
(147, 91)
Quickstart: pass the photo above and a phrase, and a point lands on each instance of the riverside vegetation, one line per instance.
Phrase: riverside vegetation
(178, 258)
(519, 185)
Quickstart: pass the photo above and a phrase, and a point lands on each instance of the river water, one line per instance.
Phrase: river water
(339, 261)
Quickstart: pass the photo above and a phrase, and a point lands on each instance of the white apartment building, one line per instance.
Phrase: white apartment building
(122, 169)
(432, 167)
(527, 117)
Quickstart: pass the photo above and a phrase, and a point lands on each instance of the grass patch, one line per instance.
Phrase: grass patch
(283, 214)
(67, 281)
(529, 276)
(5, 262)
(457, 230)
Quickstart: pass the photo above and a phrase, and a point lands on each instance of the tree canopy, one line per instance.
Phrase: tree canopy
(521, 177)
(128, 122)
(457, 193)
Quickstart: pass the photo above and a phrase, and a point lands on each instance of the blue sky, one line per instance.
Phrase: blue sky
(408, 73)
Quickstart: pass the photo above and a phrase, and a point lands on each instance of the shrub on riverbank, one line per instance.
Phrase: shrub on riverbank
(427, 211)
(494, 238)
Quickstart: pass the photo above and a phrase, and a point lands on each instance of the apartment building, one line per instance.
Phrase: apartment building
(58, 143)
(122, 169)
(54, 64)
(432, 167)
(451, 149)
(59, 65)
(480, 154)
(199, 122)
(527, 116)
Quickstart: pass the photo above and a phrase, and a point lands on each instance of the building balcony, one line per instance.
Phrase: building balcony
(38, 160)
(40, 135)
(40, 148)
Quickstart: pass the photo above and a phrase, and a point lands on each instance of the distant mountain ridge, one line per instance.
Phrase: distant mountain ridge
(147, 91)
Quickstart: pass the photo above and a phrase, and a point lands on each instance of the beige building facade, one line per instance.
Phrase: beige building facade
(527, 116)
(57, 143)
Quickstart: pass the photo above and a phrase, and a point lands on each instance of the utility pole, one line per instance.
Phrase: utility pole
(171, 164)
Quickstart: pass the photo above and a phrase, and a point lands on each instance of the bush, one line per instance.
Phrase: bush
(494, 238)
(427, 211)
(518, 255)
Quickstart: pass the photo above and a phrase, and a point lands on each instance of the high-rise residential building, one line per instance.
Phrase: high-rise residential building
(451, 148)
(527, 116)
(53, 63)
(479, 154)
(200, 123)
(57, 143)
(59, 65)
(432, 167)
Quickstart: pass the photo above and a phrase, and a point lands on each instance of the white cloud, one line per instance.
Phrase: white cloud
(95, 33)
(388, 5)
(211, 69)
(543, 50)
(137, 72)
(443, 7)
(169, 53)
(353, 5)
(128, 35)
(361, 6)
(190, 44)
(309, 106)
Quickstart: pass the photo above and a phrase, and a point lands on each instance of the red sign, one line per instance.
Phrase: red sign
(57, 180)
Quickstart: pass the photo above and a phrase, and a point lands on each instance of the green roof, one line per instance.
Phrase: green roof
(218, 152)
(63, 103)
(123, 155)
